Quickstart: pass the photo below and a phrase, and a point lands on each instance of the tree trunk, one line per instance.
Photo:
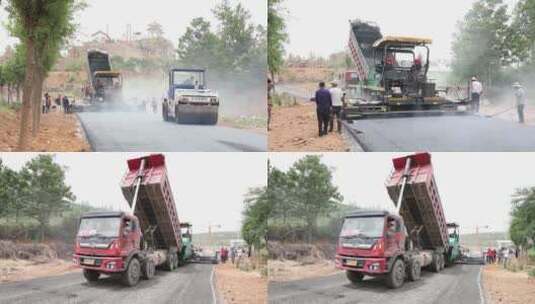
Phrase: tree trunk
(17, 90)
(37, 103)
(24, 135)
(8, 94)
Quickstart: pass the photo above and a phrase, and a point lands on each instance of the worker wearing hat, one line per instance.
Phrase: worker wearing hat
(520, 97)
(337, 96)
(476, 89)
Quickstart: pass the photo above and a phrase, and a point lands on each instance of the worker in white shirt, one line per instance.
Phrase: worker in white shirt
(337, 97)
(520, 98)
(476, 89)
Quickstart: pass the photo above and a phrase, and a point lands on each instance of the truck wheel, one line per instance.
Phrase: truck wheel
(171, 262)
(176, 261)
(354, 276)
(91, 275)
(396, 277)
(132, 274)
(165, 115)
(436, 264)
(415, 271)
(149, 269)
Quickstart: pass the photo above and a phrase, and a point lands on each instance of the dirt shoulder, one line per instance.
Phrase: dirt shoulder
(295, 129)
(503, 286)
(240, 287)
(20, 270)
(283, 271)
(59, 132)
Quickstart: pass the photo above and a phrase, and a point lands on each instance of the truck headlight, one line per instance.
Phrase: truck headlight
(374, 266)
(110, 265)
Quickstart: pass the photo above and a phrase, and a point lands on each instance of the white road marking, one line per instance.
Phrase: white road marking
(481, 296)
(214, 298)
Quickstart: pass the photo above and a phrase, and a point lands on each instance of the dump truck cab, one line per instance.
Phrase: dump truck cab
(369, 241)
(189, 101)
(106, 240)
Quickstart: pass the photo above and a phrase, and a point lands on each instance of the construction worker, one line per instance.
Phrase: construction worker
(520, 98)
(337, 97)
(476, 89)
(323, 108)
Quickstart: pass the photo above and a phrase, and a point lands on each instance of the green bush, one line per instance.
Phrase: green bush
(531, 255)
(531, 273)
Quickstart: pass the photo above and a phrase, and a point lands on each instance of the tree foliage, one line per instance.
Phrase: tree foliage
(495, 42)
(480, 46)
(43, 27)
(303, 194)
(522, 227)
(256, 215)
(37, 191)
(237, 46)
(277, 36)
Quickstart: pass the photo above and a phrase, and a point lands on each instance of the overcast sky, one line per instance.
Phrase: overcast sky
(208, 187)
(174, 16)
(322, 27)
(475, 188)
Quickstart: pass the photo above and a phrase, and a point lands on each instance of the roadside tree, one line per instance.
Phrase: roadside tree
(48, 193)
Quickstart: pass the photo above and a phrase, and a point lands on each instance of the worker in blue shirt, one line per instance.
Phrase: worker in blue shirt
(323, 108)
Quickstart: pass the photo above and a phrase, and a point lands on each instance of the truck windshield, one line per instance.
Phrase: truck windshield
(188, 79)
(100, 227)
(364, 227)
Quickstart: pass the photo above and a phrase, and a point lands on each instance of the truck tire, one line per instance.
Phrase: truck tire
(436, 263)
(165, 115)
(176, 262)
(415, 270)
(396, 277)
(130, 277)
(354, 276)
(442, 262)
(149, 269)
(91, 275)
(172, 262)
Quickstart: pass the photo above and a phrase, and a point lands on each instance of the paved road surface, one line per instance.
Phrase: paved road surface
(458, 284)
(468, 133)
(138, 131)
(188, 284)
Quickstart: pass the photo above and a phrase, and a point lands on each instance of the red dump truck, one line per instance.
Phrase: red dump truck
(132, 245)
(397, 245)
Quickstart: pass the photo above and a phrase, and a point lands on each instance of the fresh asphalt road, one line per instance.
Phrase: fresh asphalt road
(139, 131)
(189, 284)
(460, 133)
(458, 284)
(466, 133)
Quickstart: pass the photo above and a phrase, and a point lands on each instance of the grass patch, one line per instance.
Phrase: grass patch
(5, 107)
(284, 100)
(246, 122)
